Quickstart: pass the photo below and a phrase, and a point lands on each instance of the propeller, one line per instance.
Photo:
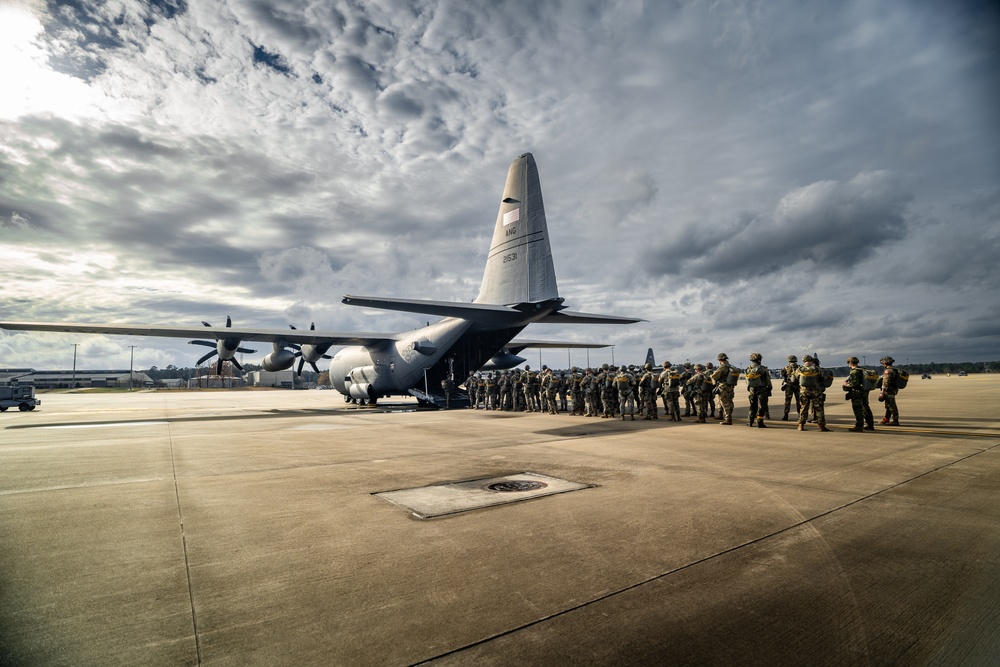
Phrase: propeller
(309, 353)
(225, 348)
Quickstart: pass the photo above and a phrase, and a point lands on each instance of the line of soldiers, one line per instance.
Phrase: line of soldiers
(609, 392)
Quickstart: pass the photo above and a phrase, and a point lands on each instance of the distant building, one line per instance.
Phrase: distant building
(280, 379)
(74, 379)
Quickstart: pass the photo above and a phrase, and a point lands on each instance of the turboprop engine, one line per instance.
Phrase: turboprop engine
(280, 359)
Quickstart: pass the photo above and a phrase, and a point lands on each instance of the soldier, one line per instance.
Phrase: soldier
(811, 392)
(758, 387)
(623, 385)
(647, 392)
(471, 385)
(709, 370)
(687, 391)
(543, 384)
(446, 387)
(517, 391)
(790, 385)
(492, 392)
(671, 391)
(887, 383)
(698, 387)
(854, 385)
(563, 390)
(589, 384)
(721, 376)
(607, 387)
(504, 384)
(551, 384)
(530, 382)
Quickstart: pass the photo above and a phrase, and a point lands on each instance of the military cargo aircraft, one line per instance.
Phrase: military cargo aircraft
(518, 289)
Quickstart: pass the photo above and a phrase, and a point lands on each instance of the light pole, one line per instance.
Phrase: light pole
(75, 345)
(131, 363)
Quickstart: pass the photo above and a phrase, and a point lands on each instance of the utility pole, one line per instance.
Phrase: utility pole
(75, 345)
(131, 362)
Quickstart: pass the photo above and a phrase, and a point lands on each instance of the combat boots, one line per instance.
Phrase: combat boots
(761, 424)
(785, 417)
(802, 427)
(822, 426)
(726, 422)
(856, 429)
(894, 422)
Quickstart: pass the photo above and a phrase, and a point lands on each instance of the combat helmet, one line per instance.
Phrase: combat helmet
(792, 358)
(755, 357)
(648, 366)
(887, 360)
(807, 357)
(723, 356)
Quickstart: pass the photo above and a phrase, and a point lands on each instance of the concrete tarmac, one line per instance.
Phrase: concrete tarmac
(240, 528)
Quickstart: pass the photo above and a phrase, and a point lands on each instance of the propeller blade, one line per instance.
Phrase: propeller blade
(245, 350)
(315, 367)
(237, 364)
(218, 367)
(301, 364)
(229, 322)
(206, 323)
(206, 343)
(207, 357)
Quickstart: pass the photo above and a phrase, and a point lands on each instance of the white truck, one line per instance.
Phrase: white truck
(20, 395)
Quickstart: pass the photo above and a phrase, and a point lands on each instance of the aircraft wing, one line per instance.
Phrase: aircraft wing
(300, 337)
(480, 312)
(516, 345)
(571, 317)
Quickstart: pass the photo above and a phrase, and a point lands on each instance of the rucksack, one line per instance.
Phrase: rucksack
(809, 376)
(827, 377)
(870, 379)
(902, 377)
(754, 376)
(733, 377)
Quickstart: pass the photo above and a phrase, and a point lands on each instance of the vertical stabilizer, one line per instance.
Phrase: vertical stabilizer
(519, 266)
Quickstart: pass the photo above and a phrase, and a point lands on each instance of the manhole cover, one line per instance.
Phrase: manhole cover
(516, 485)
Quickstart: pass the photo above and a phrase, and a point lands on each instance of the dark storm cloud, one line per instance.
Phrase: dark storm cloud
(832, 225)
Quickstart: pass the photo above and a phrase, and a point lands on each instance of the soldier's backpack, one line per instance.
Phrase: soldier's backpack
(902, 377)
(734, 376)
(809, 377)
(870, 380)
(827, 375)
(674, 379)
(754, 376)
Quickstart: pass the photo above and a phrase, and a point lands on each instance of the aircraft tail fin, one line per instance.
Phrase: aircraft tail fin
(649, 357)
(519, 265)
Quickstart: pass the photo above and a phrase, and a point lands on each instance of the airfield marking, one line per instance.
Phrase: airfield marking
(705, 559)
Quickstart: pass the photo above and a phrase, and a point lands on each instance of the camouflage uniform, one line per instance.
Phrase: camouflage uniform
(589, 385)
(576, 391)
(647, 392)
(492, 392)
(505, 388)
(854, 385)
(889, 390)
(608, 397)
(531, 397)
(563, 389)
(687, 391)
(670, 390)
(726, 390)
(471, 386)
(517, 391)
(709, 370)
(551, 390)
(790, 385)
(623, 384)
(699, 385)
(810, 380)
(758, 387)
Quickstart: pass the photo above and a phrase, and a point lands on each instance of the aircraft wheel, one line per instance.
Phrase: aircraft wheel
(23, 407)
(30, 408)
(3, 408)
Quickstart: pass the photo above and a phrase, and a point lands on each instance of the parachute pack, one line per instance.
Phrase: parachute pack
(674, 379)
(827, 375)
(733, 377)
(870, 379)
(809, 377)
(754, 376)
(902, 377)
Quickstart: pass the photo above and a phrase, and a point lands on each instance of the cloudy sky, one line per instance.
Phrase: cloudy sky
(782, 177)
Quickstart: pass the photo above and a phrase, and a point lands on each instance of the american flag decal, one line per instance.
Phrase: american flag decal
(512, 216)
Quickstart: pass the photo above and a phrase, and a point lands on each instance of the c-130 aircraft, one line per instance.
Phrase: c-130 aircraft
(518, 289)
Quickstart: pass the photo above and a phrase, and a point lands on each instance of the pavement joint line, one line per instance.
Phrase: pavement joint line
(724, 552)
(187, 561)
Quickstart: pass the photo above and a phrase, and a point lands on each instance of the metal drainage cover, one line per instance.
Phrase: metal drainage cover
(427, 502)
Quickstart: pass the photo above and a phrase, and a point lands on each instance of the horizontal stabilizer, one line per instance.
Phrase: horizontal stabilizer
(479, 312)
(516, 345)
(570, 317)
(311, 337)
